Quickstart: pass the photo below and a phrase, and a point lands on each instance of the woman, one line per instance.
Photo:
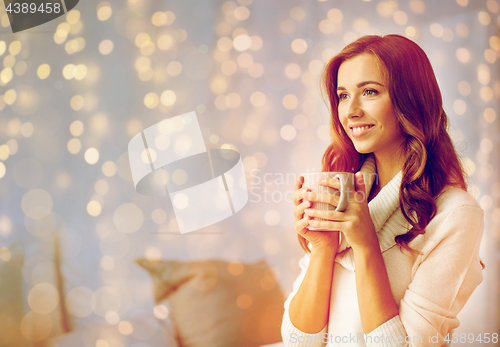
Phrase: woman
(409, 256)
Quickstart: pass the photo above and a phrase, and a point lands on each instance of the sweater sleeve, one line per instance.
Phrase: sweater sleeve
(290, 334)
(444, 277)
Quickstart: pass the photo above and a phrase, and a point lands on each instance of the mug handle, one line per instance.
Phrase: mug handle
(344, 192)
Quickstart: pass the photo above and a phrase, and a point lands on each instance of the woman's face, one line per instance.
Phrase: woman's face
(365, 109)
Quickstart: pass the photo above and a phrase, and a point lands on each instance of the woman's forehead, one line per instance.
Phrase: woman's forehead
(360, 68)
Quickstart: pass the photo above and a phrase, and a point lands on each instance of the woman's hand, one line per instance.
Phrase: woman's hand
(355, 222)
(318, 239)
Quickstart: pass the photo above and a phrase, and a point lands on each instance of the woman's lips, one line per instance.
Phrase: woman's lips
(360, 132)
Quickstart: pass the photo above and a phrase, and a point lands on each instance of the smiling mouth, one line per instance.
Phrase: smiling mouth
(358, 129)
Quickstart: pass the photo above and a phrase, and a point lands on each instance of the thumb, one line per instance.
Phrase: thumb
(360, 182)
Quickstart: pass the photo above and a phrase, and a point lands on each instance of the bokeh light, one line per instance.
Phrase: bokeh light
(242, 43)
(106, 47)
(109, 168)
(43, 298)
(74, 146)
(104, 11)
(76, 128)
(161, 311)
(290, 101)
(91, 156)
(43, 71)
(235, 268)
(463, 55)
(128, 218)
(299, 46)
(37, 203)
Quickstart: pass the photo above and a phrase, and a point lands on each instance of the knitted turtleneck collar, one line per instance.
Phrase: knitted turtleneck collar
(384, 211)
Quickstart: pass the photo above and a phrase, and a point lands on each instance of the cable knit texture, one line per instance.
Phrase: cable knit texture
(429, 289)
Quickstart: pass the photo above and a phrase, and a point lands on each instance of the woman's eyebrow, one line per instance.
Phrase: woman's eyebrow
(362, 84)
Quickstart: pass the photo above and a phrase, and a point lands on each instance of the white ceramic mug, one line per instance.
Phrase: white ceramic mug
(346, 185)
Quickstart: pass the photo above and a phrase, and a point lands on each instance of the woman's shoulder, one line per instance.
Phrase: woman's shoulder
(458, 216)
(458, 208)
(452, 197)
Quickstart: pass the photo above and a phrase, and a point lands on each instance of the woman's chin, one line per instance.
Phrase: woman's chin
(363, 150)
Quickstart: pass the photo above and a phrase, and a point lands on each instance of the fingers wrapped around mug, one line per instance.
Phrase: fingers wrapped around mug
(298, 212)
(301, 225)
(329, 198)
(355, 222)
(299, 191)
(333, 220)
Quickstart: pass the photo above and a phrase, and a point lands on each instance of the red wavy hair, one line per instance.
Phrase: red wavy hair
(431, 162)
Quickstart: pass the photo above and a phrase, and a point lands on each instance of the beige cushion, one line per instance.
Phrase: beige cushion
(218, 303)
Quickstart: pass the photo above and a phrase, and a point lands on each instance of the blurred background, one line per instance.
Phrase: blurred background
(74, 91)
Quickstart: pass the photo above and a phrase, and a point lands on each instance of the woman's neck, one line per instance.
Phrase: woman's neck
(387, 168)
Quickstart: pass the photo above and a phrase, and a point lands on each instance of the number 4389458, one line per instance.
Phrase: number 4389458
(25, 7)
(472, 338)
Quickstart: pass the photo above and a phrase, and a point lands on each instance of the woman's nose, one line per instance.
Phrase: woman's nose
(354, 109)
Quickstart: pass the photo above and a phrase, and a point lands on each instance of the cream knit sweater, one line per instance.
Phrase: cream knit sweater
(429, 289)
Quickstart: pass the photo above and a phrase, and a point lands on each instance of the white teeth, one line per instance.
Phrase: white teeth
(355, 130)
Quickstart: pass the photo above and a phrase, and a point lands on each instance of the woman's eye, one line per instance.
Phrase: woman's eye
(370, 92)
(342, 96)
